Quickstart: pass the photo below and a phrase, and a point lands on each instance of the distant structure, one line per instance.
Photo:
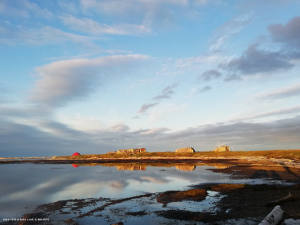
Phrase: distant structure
(222, 148)
(76, 154)
(131, 151)
(187, 149)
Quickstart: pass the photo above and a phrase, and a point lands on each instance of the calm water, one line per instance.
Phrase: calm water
(25, 186)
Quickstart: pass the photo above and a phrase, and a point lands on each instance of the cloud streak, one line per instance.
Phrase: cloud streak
(278, 112)
(281, 93)
(227, 30)
(145, 107)
(12, 35)
(23, 8)
(87, 25)
(165, 93)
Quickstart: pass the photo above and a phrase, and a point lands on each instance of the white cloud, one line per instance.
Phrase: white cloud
(87, 25)
(201, 61)
(227, 30)
(23, 8)
(63, 81)
(120, 6)
(148, 12)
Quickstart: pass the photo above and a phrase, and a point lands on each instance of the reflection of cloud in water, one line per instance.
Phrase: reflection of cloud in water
(143, 185)
(84, 189)
(90, 189)
(31, 184)
(39, 190)
(153, 180)
(117, 185)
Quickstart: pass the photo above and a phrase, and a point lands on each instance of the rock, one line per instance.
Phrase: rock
(226, 187)
(70, 222)
(291, 222)
(223, 148)
(177, 196)
(119, 223)
(188, 149)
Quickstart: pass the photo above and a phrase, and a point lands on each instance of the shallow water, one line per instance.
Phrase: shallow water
(25, 186)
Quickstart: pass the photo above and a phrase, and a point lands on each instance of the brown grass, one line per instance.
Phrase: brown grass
(278, 154)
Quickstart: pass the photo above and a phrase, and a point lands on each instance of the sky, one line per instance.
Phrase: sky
(98, 75)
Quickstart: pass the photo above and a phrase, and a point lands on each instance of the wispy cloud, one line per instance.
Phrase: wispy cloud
(277, 112)
(12, 35)
(228, 30)
(132, 6)
(150, 12)
(210, 75)
(205, 89)
(280, 93)
(23, 8)
(87, 25)
(145, 107)
(166, 93)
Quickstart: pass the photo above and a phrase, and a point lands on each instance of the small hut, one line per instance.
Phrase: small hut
(222, 148)
(188, 149)
(76, 154)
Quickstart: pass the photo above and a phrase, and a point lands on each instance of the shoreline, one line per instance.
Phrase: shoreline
(230, 159)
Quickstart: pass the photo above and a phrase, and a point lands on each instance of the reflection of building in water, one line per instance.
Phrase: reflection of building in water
(221, 166)
(129, 166)
(185, 167)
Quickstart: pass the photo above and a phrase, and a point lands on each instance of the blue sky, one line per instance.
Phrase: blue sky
(98, 75)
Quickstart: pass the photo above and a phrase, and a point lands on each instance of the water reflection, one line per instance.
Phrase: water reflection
(143, 166)
(24, 186)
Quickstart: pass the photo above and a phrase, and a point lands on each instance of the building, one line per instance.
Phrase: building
(131, 151)
(188, 149)
(222, 148)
